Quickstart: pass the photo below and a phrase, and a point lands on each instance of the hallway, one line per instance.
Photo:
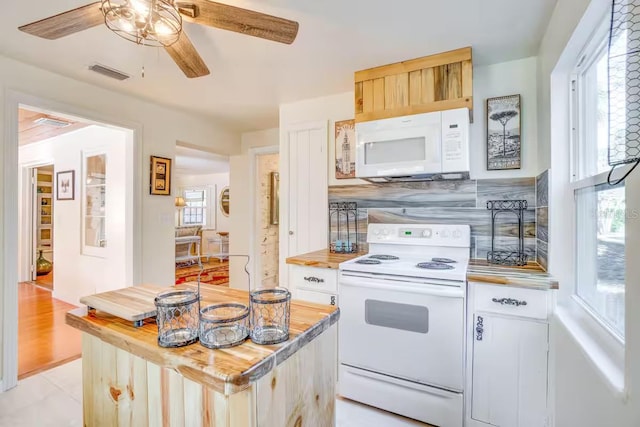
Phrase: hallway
(44, 340)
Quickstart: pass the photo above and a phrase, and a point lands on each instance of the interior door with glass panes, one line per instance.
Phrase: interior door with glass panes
(104, 228)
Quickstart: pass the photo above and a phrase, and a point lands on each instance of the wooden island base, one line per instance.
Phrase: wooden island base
(128, 382)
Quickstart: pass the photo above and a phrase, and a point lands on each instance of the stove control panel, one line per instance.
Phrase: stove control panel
(420, 234)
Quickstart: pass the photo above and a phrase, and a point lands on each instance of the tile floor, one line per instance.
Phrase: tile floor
(54, 399)
(50, 399)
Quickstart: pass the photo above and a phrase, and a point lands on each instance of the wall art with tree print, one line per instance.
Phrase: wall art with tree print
(504, 144)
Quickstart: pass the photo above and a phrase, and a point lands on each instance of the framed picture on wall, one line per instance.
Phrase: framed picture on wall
(160, 180)
(65, 185)
(504, 143)
(345, 149)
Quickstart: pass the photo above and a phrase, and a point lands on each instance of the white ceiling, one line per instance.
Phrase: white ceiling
(196, 162)
(250, 77)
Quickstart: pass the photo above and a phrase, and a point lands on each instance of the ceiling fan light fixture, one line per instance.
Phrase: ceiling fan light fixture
(146, 22)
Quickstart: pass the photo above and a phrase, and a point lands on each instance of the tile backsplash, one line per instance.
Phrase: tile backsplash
(451, 202)
(542, 218)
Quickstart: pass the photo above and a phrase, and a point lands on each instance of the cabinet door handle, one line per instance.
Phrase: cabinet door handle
(479, 328)
(509, 301)
(333, 300)
(314, 279)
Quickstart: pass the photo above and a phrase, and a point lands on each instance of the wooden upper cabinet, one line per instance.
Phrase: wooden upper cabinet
(431, 83)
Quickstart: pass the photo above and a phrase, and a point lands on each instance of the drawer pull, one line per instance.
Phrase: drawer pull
(314, 279)
(509, 301)
(479, 328)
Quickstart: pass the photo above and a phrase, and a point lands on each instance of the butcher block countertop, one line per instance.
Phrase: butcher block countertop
(528, 276)
(322, 259)
(226, 370)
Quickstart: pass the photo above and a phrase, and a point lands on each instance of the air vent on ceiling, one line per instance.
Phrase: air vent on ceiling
(48, 121)
(109, 72)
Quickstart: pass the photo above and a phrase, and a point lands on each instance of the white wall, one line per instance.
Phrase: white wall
(505, 78)
(331, 109)
(587, 382)
(240, 215)
(76, 274)
(564, 19)
(160, 128)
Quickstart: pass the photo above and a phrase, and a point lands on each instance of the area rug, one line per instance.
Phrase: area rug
(214, 273)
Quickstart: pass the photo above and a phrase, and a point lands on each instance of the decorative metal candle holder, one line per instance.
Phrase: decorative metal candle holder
(224, 325)
(177, 318)
(507, 257)
(343, 227)
(269, 318)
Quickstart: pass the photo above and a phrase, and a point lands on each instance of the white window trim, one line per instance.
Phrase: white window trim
(587, 58)
(605, 351)
(211, 203)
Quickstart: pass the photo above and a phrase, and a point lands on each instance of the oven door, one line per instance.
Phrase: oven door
(408, 330)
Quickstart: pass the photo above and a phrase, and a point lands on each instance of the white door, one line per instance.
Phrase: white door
(306, 181)
(382, 319)
(509, 371)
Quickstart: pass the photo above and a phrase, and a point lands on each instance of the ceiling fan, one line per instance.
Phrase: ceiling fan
(159, 23)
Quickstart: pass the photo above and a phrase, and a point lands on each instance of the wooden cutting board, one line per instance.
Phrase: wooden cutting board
(134, 303)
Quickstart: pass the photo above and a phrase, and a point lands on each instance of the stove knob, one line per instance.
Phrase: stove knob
(457, 234)
(445, 234)
(426, 233)
(376, 232)
(385, 231)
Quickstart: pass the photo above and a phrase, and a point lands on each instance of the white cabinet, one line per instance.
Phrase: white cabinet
(314, 284)
(317, 297)
(507, 356)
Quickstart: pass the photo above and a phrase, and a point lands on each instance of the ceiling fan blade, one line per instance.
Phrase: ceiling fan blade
(65, 23)
(240, 20)
(187, 57)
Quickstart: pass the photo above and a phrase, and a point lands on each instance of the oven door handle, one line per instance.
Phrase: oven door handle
(423, 288)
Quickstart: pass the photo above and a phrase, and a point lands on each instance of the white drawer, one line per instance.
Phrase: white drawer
(317, 297)
(511, 301)
(315, 279)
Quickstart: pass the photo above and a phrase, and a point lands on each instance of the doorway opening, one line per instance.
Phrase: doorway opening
(202, 216)
(42, 205)
(75, 199)
(266, 208)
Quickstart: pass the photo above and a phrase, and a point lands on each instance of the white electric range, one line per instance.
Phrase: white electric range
(401, 343)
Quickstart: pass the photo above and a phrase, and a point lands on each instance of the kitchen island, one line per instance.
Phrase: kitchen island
(128, 380)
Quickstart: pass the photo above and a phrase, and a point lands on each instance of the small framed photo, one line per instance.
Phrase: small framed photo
(504, 144)
(345, 149)
(65, 185)
(160, 181)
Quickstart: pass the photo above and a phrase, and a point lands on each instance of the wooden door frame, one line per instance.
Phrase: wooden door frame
(9, 227)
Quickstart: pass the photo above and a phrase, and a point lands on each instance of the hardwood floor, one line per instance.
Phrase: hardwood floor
(45, 281)
(44, 340)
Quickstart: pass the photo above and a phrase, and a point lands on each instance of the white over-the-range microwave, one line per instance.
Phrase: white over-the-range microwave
(412, 148)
